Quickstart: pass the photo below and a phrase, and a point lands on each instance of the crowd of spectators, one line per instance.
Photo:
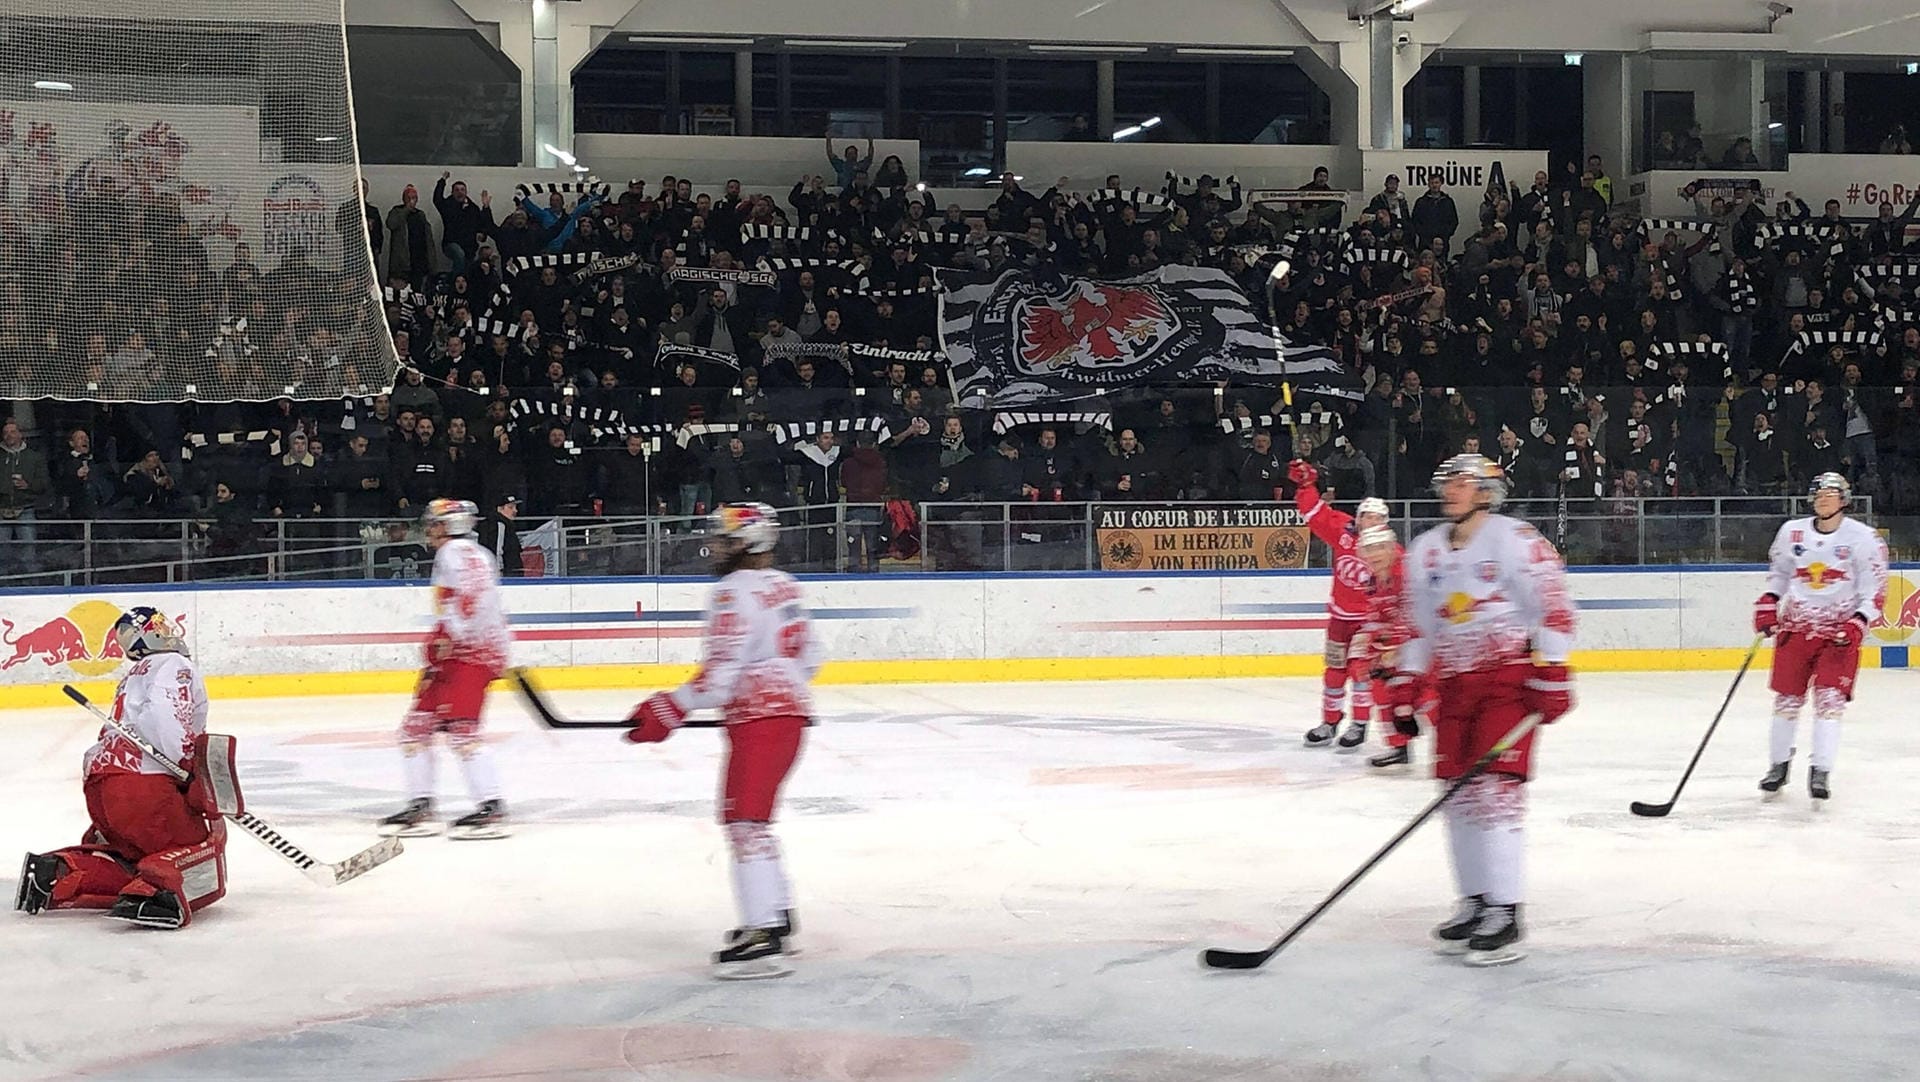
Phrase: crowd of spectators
(593, 353)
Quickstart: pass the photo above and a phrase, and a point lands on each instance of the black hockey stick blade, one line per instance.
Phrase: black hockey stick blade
(1216, 958)
(543, 710)
(1657, 811)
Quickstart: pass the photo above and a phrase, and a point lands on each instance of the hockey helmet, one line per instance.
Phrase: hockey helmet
(754, 525)
(1377, 535)
(1374, 505)
(1486, 474)
(458, 516)
(1830, 482)
(144, 630)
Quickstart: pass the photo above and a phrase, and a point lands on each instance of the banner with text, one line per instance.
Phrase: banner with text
(1189, 537)
(1464, 175)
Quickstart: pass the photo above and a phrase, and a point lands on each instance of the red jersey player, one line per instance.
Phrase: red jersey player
(156, 852)
(465, 653)
(1376, 649)
(755, 667)
(1346, 608)
(1487, 596)
(1825, 587)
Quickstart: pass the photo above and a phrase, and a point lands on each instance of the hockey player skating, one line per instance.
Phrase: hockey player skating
(757, 661)
(465, 652)
(1493, 627)
(156, 851)
(1398, 695)
(1826, 584)
(1346, 608)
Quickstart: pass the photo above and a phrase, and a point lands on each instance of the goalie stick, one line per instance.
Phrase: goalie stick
(1656, 811)
(326, 875)
(547, 716)
(1216, 958)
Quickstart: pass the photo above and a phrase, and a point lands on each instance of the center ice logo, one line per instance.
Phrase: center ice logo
(1900, 614)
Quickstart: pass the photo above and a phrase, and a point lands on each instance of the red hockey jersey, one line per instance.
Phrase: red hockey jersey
(1351, 579)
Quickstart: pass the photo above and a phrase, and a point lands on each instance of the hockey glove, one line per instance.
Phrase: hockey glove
(1300, 473)
(439, 647)
(1853, 632)
(1549, 692)
(1766, 614)
(659, 716)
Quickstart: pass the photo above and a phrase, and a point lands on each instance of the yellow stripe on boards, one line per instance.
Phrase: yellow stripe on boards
(947, 671)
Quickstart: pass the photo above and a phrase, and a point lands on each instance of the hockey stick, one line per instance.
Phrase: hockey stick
(326, 875)
(1655, 811)
(544, 711)
(1216, 958)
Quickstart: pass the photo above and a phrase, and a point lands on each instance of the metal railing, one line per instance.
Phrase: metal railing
(1018, 536)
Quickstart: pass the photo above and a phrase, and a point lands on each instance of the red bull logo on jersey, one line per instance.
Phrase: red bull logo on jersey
(1899, 618)
(81, 640)
(1819, 575)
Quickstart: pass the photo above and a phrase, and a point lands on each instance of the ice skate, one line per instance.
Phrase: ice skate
(1496, 938)
(1392, 758)
(1321, 735)
(1354, 737)
(37, 876)
(1817, 783)
(755, 955)
(788, 926)
(162, 910)
(1451, 936)
(1776, 777)
(413, 821)
(488, 820)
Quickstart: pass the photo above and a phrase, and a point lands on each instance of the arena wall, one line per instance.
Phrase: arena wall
(274, 640)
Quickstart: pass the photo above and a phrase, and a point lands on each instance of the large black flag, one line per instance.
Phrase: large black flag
(1023, 337)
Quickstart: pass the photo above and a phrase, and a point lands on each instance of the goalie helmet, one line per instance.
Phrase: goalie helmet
(1373, 505)
(754, 525)
(458, 516)
(1830, 482)
(1487, 476)
(144, 630)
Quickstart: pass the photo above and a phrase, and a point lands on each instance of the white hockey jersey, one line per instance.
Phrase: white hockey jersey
(468, 606)
(1495, 602)
(760, 654)
(164, 700)
(1825, 579)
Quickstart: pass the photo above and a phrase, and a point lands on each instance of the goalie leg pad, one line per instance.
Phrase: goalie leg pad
(195, 874)
(88, 877)
(759, 756)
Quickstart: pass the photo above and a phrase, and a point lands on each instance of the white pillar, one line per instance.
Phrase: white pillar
(1383, 100)
(546, 81)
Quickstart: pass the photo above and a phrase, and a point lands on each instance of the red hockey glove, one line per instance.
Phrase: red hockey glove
(1549, 692)
(1852, 632)
(659, 716)
(1300, 473)
(1766, 614)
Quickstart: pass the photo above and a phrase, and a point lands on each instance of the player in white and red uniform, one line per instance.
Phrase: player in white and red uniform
(156, 852)
(755, 667)
(1375, 651)
(466, 651)
(1346, 608)
(1825, 586)
(1493, 627)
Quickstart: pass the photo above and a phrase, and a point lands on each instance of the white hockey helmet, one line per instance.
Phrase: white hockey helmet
(144, 630)
(458, 516)
(1831, 482)
(1378, 535)
(1488, 476)
(754, 525)
(1374, 505)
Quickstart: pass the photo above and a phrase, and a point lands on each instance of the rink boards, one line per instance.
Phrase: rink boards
(352, 637)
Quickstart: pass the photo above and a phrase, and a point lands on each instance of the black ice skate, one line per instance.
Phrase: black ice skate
(788, 926)
(37, 876)
(1392, 757)
(1355, 735)
(488, 820)
(1321, 735)
(1776, 777)
(1817, 783)
(1496, 938)
(413, 821)
(1451, 937)
(162, 910)
(755, 955)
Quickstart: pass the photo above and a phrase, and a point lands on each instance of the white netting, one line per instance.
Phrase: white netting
(140, 145)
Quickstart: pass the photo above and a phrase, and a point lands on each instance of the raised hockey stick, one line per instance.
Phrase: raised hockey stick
(1216, 958)
(1655, 811)
(544, 711)
(327, 875)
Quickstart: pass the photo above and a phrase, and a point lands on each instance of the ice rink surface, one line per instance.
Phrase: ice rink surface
(1004, 882)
